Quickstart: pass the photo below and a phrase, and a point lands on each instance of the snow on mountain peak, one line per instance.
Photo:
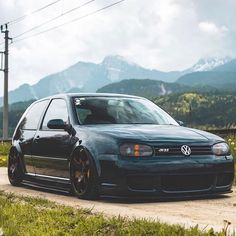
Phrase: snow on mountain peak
(208, 64)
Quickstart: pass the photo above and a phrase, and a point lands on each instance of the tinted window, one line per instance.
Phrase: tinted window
(111, 110)
(57, 110)
(32, 118)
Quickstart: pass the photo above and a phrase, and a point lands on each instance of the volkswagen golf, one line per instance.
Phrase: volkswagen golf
(94, 144)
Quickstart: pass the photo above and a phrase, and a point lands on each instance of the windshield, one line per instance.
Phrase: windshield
(118, 110)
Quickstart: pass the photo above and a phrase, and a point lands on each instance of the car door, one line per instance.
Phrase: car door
(51, 148)
(26, 131)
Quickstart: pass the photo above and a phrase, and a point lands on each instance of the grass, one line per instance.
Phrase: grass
(232, 142)
(4, 150)
(3, 161)
(35, 216)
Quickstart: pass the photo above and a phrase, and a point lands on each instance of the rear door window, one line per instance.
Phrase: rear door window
(32, 117)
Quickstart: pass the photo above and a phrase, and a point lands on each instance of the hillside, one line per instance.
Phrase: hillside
(89, 77)
(221, 74)
(201, 110)
(222, 80)
(229, 66)
(147, 88)
(15, 112)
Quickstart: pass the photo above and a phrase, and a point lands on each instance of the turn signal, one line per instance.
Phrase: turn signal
(137, 150)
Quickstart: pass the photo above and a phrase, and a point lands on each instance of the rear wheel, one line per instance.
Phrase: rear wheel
(15, 173)
(83, 176)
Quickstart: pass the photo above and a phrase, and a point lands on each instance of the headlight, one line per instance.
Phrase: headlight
(221, 149)
(137, 150)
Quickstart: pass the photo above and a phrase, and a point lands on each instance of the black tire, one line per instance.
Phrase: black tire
(83, 176)
(15, 173)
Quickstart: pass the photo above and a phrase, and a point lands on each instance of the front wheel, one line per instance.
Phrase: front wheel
(83, 176)
(15, 173)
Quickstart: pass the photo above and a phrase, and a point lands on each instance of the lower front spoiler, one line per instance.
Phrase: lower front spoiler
(171, 186)
(173, 177)
(167, 197)
(121, 192)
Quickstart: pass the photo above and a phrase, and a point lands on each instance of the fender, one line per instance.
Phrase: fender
(16, 146)
(76, 149)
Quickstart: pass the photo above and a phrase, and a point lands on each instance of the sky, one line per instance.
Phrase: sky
(158, 34)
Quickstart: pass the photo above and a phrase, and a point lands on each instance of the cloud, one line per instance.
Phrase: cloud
(211, 28)
(161, 34)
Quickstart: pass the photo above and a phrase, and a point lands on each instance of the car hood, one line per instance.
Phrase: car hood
(153, 133)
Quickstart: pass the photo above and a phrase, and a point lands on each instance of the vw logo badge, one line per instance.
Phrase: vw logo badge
(186, 150)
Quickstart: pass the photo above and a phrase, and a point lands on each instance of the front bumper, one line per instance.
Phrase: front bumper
(172, 176)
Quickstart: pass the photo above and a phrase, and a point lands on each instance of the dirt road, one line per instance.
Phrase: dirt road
(206, 213)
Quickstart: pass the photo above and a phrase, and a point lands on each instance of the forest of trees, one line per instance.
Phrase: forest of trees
(207, 110)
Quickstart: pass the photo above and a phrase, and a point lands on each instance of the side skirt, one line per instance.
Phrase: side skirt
(47, 182)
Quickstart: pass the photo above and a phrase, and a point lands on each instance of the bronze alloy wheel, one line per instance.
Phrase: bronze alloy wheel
(83, 177)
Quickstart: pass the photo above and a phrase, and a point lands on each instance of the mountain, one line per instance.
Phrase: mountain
(222, 80)
(230, 66)
(148, 88)
(208, 64)
(222, 76)
(118, 68)
(88, 77)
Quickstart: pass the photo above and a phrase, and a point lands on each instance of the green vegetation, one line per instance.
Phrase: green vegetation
(35, 216)
(143, 87)
(15, 112)
(4, 150)
(232, 142)
(222, 80)
(206, 110)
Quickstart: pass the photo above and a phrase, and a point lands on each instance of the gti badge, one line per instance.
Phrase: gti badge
(186, 150)
(163, 150)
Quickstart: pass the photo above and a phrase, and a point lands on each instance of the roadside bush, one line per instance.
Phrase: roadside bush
(4, 150)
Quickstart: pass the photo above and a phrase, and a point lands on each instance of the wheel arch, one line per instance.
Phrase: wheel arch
(16, 146)
(90, 152)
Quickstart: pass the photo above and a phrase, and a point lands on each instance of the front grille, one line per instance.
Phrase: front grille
(143, 182)
(176, 150)
(186, 183)
(171, 183)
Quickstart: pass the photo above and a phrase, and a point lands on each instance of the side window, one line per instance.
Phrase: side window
(56, 110)
(32, 118)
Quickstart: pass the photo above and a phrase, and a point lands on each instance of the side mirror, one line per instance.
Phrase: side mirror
(181, 123)
(56, 124)
(59, 124)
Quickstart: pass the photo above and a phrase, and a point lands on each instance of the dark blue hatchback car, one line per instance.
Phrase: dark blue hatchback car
(97, 144)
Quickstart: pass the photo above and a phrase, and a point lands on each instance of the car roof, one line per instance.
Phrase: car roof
(68, 95)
